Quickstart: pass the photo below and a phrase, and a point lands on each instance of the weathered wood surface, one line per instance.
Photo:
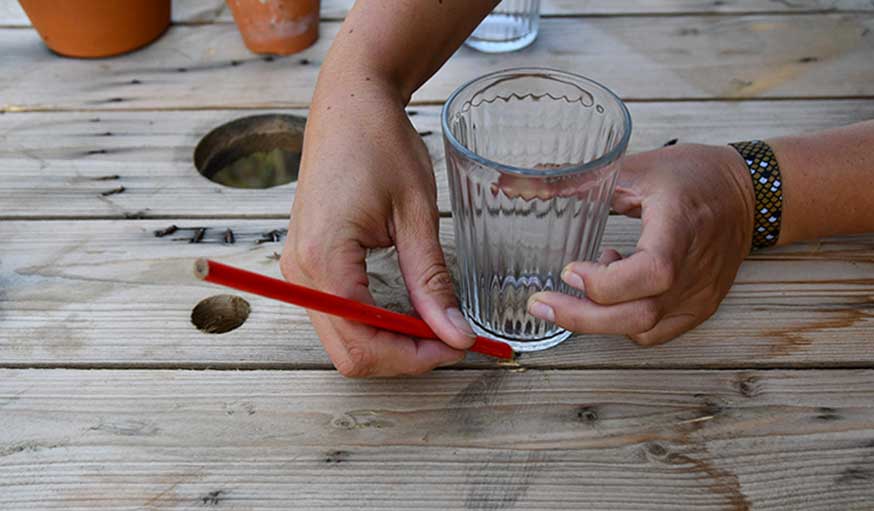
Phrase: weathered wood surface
(212, 11)
(688, 57)
(110, 293)
(50, 162)
(59, 164)
(590, 440)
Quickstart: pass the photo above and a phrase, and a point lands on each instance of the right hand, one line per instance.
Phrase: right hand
(696, 205)
(366, 182)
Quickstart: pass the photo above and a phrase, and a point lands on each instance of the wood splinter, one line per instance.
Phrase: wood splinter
(160, 233)
(271, 237)
(198, 235)
(114, 191)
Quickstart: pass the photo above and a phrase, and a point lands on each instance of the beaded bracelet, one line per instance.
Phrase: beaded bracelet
(765, 172)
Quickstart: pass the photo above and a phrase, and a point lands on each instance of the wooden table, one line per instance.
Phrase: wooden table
(111, 399)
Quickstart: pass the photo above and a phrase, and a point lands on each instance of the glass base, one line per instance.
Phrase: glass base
(491, 46)
(520, 346)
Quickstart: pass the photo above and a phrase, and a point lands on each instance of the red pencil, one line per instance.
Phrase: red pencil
(258, 284)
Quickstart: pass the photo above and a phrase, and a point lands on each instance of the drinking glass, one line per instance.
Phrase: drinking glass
(512, 25)
(532, 156)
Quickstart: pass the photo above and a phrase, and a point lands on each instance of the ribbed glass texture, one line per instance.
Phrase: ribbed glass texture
(512, 25)
(532, 157)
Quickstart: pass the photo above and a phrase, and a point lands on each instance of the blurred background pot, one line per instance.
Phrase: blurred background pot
(278, 27)
(97, 28)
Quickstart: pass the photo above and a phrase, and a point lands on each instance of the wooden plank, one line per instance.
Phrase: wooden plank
(49, 161)
(200, 11)
(216, 11)
(110, 293)
(60, 164)
(617, 440)
(633, 7)
(642, 58)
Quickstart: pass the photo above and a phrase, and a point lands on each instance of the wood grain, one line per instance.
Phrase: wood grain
(493, 440)
(615, 429)
(216, 11)
(50, 163)
(642, 58)
(674, 7)
(112, 294)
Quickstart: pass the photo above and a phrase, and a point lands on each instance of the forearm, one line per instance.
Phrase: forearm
(394, 46)
(828, 182)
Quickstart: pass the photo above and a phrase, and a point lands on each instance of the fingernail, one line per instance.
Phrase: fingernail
(572, 279)
(541, 310)
(457, 319)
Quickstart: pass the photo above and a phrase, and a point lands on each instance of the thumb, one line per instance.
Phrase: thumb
(427, 278)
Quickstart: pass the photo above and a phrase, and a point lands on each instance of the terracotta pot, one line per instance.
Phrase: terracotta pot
(97, 28)
(277, 27)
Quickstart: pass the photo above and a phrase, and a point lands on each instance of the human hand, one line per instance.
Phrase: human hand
(696, 205)
(366, 182)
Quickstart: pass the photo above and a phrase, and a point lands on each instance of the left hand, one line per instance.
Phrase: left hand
(696, 205)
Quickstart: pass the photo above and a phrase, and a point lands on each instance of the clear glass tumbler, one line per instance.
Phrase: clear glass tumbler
(512, 25)
(532, 156)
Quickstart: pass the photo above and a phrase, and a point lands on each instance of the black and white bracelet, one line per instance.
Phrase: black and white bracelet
(768, 186)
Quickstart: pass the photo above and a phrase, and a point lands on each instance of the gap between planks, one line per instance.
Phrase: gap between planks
(468, 366)
(15, 109)
(711, 14)
(778, 73)
(55, 218)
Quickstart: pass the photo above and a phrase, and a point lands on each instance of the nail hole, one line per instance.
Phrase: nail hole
(261, 151)
(220, 313)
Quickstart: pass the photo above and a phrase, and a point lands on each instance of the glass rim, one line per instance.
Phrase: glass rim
(602, 161)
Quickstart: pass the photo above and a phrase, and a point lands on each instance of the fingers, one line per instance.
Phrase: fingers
(626, 201)
(608, 255)
(583, 315)
(640, 320)
(647, 321)
(668, 328)
(701, 306)
(648, 272)
(360, 351)
(357, 350)
(427, 278)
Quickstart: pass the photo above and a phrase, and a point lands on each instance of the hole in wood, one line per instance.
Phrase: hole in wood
(261, 151)
(220, 313)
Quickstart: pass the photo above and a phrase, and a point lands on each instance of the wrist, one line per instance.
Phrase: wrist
(736, 168)
(350, 104)
(802, 220)
(349, 69)
(349, 90)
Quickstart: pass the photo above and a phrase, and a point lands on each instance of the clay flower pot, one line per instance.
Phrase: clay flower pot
(277, 27)
(97, 28)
